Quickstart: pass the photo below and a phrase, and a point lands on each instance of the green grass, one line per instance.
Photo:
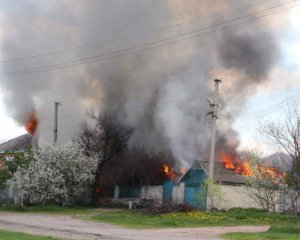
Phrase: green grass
(289, 232)
(46, 209)
(5, 235)
(234, 217)
(141, 219)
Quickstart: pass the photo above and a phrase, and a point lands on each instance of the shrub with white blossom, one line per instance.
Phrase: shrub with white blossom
(57, 174)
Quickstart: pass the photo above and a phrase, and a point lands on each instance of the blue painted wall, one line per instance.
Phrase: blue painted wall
(194, 176)
(194, 195)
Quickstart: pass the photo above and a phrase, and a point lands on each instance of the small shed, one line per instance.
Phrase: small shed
(194, 177)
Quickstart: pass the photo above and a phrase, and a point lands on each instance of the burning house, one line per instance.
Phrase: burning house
(186, 186)
(150, 62)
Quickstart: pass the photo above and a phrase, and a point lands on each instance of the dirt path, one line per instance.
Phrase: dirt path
(70, 228)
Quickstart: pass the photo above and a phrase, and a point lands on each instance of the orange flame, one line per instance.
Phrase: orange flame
(170, 172)
(270, 172)
(32, 123)
(234, 163)
(245, 169)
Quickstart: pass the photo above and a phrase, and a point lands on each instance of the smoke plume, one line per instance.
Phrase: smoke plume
(161, 91)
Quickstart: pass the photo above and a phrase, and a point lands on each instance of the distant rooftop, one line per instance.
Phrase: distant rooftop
(18, 144)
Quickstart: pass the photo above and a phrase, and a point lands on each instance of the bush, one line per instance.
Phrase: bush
(18, 160)
(248, 211)
(157, 208)
(109, 203)
(57, 174)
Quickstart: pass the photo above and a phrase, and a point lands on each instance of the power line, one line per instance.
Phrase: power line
(272, 83)
(136, 104)
(241, 91)
(129, 50)
(248, 117)
(137, 49)
(275, 108)
(122, 38)
(265, 112)
(255, 116)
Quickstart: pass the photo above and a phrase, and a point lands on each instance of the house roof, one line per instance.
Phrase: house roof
(221, 174)
(17, 144)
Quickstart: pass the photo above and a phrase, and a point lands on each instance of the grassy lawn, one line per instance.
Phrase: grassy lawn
(54, 209)
(5, 235)
(140, 219)
(283, 232)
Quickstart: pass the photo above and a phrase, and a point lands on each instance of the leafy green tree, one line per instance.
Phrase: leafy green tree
(16, 160)
(208, 190)
(3, 178)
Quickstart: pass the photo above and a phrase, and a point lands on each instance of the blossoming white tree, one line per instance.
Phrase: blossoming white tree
(57, 174)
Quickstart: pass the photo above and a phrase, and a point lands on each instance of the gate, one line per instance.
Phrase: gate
(167, 192)
(194, 195)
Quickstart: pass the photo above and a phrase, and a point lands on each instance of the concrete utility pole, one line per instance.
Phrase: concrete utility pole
(56, 104)
(214, 114)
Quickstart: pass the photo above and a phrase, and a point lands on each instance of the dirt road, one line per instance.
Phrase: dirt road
(69, 228)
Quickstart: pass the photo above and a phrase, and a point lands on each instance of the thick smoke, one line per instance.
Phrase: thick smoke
(161, 92)
(242, 51)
